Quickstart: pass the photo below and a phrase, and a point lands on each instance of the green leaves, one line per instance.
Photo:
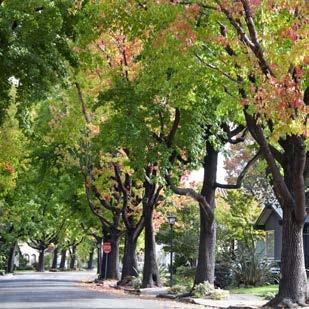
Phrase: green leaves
(34, 46)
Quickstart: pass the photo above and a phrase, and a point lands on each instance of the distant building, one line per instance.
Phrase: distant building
(270, 220)
(28, 253)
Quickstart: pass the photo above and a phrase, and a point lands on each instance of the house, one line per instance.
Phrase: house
(270, 220)
(30, 254)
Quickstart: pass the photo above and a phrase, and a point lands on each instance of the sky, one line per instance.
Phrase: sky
(197, 175)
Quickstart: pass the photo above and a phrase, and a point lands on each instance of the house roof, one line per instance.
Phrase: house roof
(267, 211)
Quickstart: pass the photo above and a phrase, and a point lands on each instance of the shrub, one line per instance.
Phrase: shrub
(218, 294)
(185, 276)
(23, 263)
(178, 289)
(250, 269)
(206, 289)
(223, 274)
(29, 267)
(137, 282)
(269, 295)
(47, 261)
(2, 261)
(186, 271)
(203, 289)
(164, 275)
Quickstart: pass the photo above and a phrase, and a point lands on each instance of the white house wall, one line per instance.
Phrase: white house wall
(27, 250)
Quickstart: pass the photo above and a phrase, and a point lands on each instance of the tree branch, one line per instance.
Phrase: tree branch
(244, 37)
(202, 5)
(211, 66)
(241, 176)
(103, 201)
(125, 196)
(256, 48)
(139, 227)
(193, 194)
(81, 99)
(93, 208)
(171, 135)
(279, 185)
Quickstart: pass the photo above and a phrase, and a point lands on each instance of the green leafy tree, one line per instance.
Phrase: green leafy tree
(237, 250)
(35, 47)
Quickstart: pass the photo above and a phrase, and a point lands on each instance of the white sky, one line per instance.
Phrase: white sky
(221, 174)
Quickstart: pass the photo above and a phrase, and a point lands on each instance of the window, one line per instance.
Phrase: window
(33, 259)
(27, 258)
(270, 244)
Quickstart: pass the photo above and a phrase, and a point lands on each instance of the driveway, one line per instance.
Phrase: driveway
(63, 290)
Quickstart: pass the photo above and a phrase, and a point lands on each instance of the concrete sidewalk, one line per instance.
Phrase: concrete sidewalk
(234, 300)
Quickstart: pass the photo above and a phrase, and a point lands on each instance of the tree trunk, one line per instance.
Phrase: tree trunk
(293, 282)
(129, 268)
(151, 275)
(63, 259)
(111, 260)
(99, 261)
(55, 259)
(73, 257)
(205, 270)
(11, 258)
(306, 179)
(90, 259)
(41, 261)
(289, 189)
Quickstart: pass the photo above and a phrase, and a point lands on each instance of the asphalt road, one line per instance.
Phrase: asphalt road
(63, 290)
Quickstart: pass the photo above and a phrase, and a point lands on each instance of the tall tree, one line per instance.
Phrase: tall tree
(265, 45)
(34, 47)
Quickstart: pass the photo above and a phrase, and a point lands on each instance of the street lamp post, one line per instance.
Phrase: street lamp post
(171, 220)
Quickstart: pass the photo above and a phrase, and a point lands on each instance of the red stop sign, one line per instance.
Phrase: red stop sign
(107, 247)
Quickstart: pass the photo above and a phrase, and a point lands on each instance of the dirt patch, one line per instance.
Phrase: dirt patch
(108, 286)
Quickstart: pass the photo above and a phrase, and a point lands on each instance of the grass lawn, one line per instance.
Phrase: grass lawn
(258, 291)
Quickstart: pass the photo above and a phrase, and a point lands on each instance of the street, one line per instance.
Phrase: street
(63, 290)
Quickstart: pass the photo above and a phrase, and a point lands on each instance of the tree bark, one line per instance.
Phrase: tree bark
(11, 258)
(306, 179)
(289, 189)
(99, 261)
(55, 258)
(63, 259)
(41, 260)
(293, 282)
(129, 261)
(90, 259)
(73, 257)
(205, 270)
(151, 275)
(111, 259)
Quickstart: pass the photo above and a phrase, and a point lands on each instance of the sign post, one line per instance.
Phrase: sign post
(107, 248)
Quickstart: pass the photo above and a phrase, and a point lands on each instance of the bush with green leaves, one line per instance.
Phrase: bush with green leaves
(137, 281)
(164, 275)
(223, 274)
(250, 269)
(218, 294)
(206, 289)
(178, 289)
(269, 295)
(186, 236)
(203, 289)
(23, 263)
(2, 261)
